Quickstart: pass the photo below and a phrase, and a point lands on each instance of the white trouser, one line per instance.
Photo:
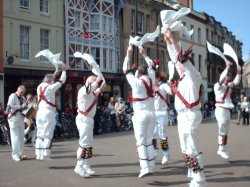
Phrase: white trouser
(188, 123)
(16, 135)
(162, 123)
(144, 125)
(46, 122)
(223, 118)
(85, 127)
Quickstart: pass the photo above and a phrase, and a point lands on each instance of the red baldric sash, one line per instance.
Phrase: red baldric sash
(14, 113)
(42, 97)
(161, 96)
(188, 105)
(149, 91)
(224, 97)
(90, 107)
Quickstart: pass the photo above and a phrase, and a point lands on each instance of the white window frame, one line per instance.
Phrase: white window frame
(24, 42)
(23, 6)
(44, 6)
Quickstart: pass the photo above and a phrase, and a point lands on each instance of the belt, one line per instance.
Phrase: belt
(183, 110)
(187, 110)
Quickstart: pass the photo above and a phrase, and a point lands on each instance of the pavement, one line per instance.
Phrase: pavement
(116, 163)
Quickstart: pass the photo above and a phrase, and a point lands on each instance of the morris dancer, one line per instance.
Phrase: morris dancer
(162, 90)
(187, 104)
(86, 102)
(143, 105)
(17, 103)
(46, 114)
(223, 90)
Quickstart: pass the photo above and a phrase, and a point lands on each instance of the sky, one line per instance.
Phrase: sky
(233, 14)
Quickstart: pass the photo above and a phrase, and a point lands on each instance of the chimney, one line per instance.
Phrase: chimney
(186, 3)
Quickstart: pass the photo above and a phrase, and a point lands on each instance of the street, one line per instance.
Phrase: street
(116, 164)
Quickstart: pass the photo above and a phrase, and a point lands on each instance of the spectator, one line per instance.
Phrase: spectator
(111, 106)
(245, 110)
(239, 108)
(119, 110)
(1, 110)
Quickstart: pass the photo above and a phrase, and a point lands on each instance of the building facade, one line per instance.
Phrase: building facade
(99, 19)
(30, 26)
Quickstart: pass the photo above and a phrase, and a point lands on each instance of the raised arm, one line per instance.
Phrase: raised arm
(237, 79)
(224, 73)
(151, 71)
(129, 75)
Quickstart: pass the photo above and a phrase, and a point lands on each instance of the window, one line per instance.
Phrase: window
(104, 24)
(132, 21)
(44, 6)
(147, 23)
(94, 22)
(104, 58)
(24, 43)
(192, 56)
(110, 59)
(199, 35)
(192, 36)
(44, 41)
(183, 35)
(140, 22)
(200, 68)
(148, 52)
(162, 58)
(25, 4)
(77, 19)
(110, 25)
(95, 52)
(212, 36)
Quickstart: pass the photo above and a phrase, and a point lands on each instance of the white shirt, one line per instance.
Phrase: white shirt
(161, 104)
(139, 90)
(189, 86)
(245, 106)
(219, 90)
(50, 92)
(15, 104)
(85, 100)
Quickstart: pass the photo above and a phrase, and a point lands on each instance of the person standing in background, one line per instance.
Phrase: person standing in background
(245, 111)
(239, 109)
